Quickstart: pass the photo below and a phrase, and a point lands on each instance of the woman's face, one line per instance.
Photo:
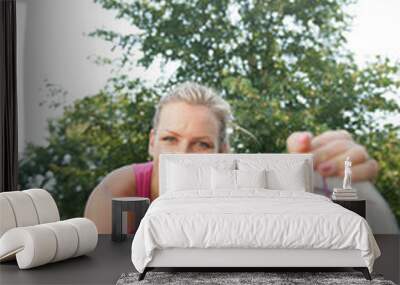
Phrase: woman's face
(185, 128)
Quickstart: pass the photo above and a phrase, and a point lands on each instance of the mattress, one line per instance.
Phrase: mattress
(252, 218)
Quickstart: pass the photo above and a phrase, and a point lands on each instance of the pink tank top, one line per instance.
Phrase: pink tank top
(143, 173)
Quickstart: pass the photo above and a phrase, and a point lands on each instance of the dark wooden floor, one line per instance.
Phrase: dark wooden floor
(111, 259)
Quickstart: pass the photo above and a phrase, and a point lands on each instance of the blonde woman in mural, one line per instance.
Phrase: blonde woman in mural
(193, 118)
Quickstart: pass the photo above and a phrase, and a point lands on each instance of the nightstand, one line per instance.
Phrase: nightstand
(137, 205)
(358, 206)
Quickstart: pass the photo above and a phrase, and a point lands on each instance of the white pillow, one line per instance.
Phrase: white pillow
(223, 179)
(187, 174)
(288, 175)
(181, 177)
(226, 179)
(291, 181)
(251, 178)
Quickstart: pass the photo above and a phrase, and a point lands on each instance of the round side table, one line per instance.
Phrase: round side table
(136, 205)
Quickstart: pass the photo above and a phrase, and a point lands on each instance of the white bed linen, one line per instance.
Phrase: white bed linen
(252, 218)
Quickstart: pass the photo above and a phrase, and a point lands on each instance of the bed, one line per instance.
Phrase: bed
(247, 210)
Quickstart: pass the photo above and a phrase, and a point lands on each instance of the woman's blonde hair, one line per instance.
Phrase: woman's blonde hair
(197, 94)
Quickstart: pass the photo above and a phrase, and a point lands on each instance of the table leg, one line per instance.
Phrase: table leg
(117, 222)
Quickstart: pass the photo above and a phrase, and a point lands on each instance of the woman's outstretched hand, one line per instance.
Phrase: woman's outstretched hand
(330, 150)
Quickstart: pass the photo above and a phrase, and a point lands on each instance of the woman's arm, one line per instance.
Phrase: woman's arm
(378, 213)
(118, 183)
(330, 149)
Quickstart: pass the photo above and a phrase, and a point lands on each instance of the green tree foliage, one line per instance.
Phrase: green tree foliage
(282, 65)
(94, 136)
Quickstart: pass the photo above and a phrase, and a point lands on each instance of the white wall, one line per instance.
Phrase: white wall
(51, 45)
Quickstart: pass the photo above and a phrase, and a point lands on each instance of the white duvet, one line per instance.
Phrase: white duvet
(250, 219)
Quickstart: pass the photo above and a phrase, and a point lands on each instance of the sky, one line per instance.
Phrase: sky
(375, 29)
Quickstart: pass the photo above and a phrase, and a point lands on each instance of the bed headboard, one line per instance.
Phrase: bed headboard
(234, 158)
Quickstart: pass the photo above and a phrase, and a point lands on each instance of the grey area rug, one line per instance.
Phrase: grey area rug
(225, 278)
